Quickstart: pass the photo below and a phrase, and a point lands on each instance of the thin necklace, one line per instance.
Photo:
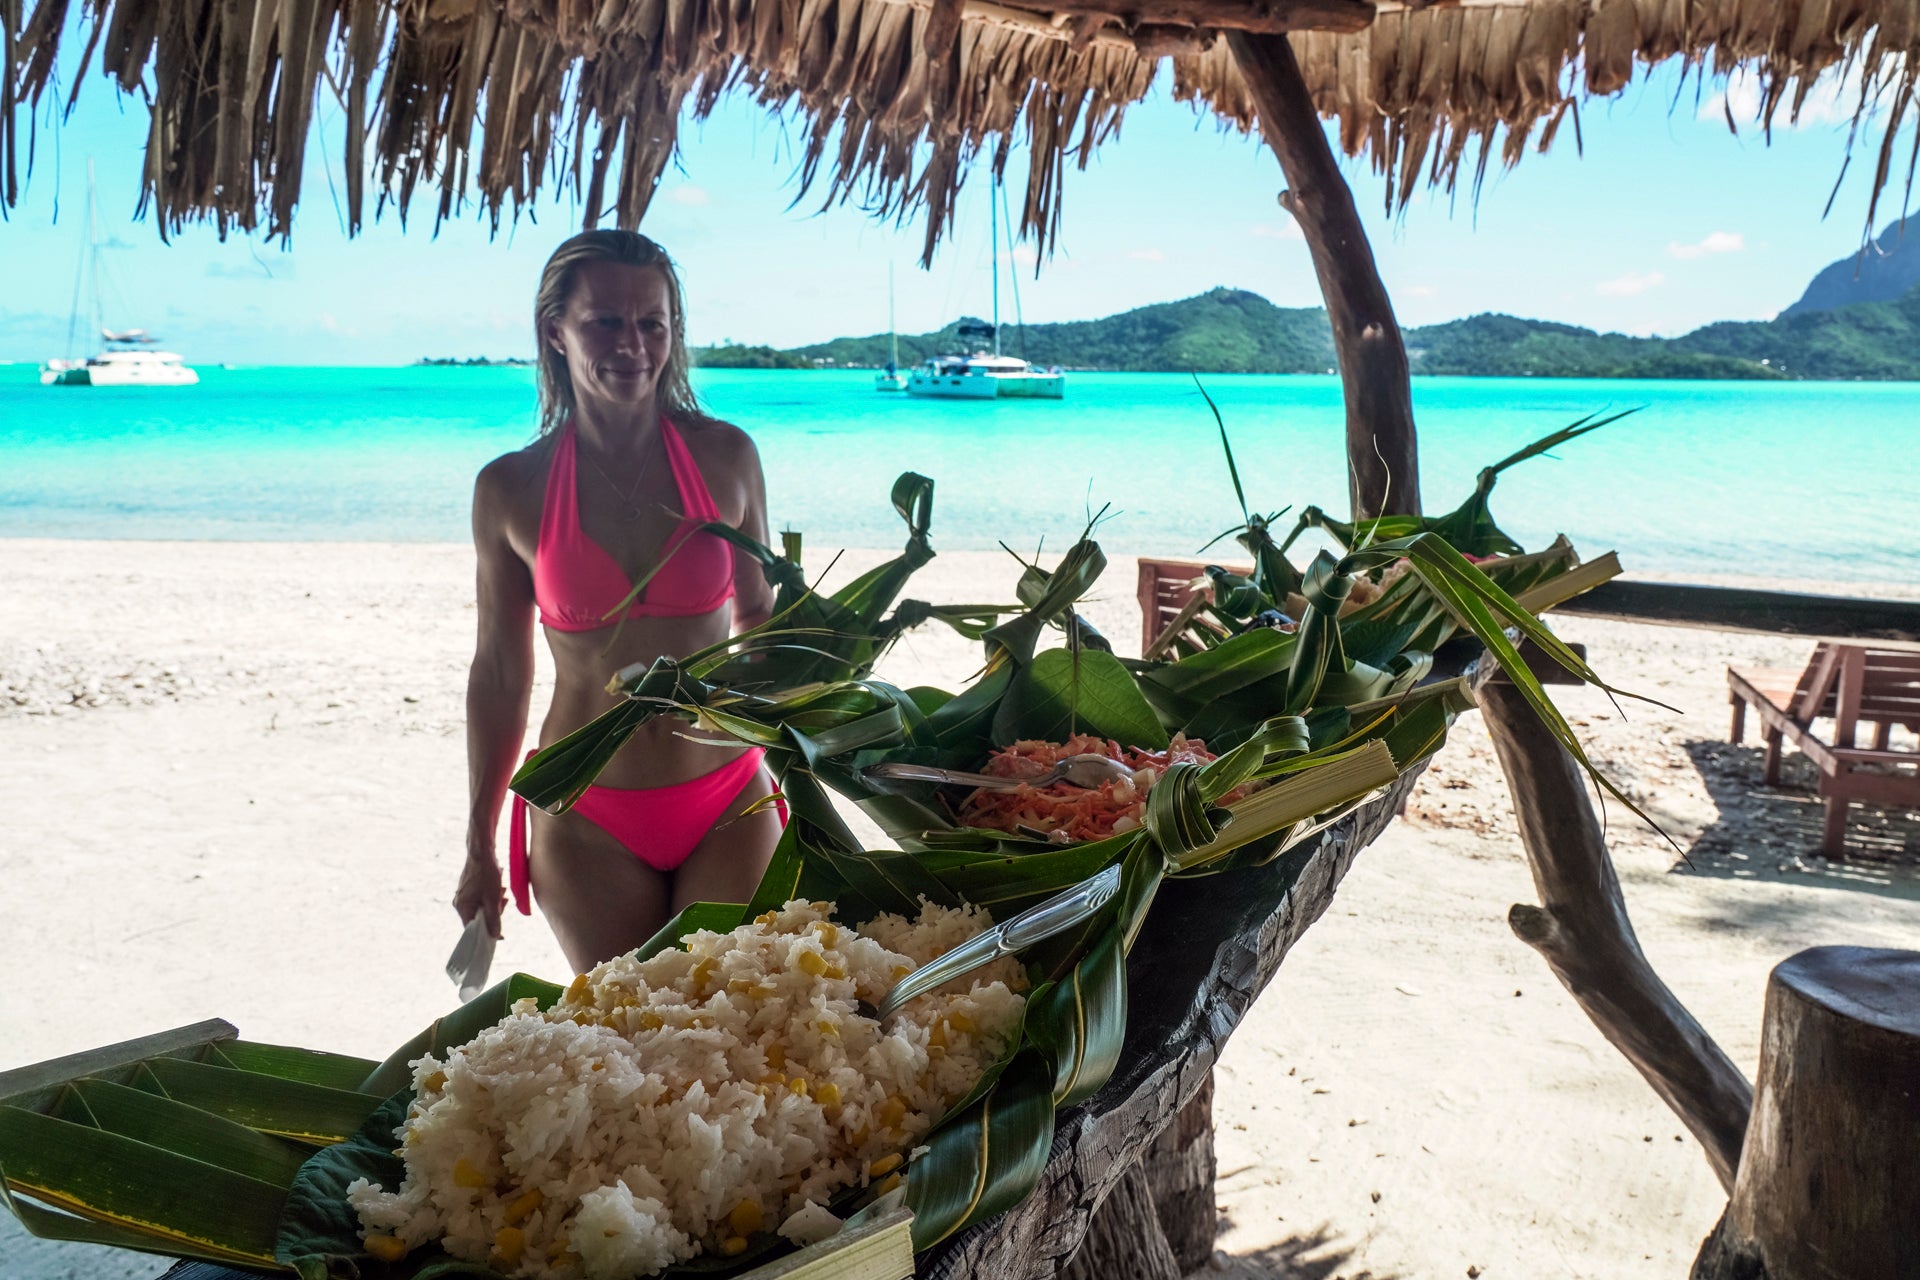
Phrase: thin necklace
(631, 500)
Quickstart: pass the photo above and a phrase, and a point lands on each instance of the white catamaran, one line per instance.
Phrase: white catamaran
(986, 375)
(129, 358)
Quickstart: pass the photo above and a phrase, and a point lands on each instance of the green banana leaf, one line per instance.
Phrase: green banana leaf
(188, 1152)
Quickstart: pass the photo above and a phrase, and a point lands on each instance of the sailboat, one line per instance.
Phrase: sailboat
(130, 357)
(985, 375)
(890, 378)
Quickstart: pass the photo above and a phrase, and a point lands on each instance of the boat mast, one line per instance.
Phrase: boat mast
(993, 216)
(893, 330)
(93, 251)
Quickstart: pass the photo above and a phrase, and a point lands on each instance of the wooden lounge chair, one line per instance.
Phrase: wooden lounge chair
(1172, 593)
(1850, 685)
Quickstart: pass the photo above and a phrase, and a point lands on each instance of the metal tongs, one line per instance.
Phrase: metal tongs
(1087, 771)
(1036, 924)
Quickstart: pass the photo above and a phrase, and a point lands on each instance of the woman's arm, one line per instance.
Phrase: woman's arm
(752, 595)
(499, 686)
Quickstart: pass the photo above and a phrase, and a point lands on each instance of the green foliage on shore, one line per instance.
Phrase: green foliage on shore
(734, 356)
(1235, 331)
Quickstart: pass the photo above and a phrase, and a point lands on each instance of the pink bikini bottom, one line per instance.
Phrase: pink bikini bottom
(661, 826)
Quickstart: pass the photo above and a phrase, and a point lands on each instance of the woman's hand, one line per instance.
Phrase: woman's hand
(481, 890)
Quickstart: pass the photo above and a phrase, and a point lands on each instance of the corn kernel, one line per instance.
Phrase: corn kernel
(523, 1206)
(836, 973)
(962, 1023)
(859, 1137)
(891, 1111)
(901, 970)
(703, 969)
(466, 1174)
(579, 989)
(811, 962)
(798, 1085)
(776, 1055)
(827, 1029)
(887, 1184)
(386, 1248)
(829, 933)
(651, 1021)
(435, 1082)
(937, 1036)
(745, 1218)
(509, 1243)
(733, 1246)
(584, 1019)
(884, 1165)
(765, 917)
(828, 1094)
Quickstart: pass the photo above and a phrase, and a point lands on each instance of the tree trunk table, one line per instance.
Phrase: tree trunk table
(1208, 949)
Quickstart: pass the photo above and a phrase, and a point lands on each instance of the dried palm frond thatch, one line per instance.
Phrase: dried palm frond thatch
(492, 99)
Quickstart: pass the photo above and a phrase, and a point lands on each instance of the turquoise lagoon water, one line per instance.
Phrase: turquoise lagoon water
(1814, 480)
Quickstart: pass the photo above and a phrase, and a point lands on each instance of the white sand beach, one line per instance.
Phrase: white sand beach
(236, 784)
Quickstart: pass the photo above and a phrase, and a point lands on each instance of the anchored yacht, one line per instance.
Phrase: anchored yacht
(129, 358)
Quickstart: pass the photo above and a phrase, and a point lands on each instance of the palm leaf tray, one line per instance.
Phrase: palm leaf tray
(203, 1146)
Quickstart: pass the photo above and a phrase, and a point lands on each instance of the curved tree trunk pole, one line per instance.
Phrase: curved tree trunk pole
(1582, 930)
(1383, 468)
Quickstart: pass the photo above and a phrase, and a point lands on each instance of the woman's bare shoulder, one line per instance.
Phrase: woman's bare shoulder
(512, 473)
(719, 444)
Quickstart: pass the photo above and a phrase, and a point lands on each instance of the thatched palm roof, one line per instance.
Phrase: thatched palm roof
(497, 98)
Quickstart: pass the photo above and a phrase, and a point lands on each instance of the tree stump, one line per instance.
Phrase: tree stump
(1829, 1180)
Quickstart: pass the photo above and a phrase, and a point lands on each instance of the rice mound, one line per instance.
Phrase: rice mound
(679, 1106)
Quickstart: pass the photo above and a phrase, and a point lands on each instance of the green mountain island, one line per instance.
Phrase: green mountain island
(1235, 331)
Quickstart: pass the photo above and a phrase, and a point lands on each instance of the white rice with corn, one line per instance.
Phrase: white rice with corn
(681, 1105)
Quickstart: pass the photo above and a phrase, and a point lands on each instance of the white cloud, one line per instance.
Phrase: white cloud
(694, 197)
(1716, 242)
(1288, 230)
(1420, 291)
(1630, 285)
(1147, 255)
(1830, 101)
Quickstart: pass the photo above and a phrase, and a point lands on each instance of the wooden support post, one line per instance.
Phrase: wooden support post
(1124, 1239)
(1383, 469)
(1180, 1168)
(1582, 930)
(1828, 1177)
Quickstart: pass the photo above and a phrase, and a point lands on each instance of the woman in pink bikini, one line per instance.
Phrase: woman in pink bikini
(625, 470)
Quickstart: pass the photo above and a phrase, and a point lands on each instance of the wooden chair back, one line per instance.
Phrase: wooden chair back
(1170, 591)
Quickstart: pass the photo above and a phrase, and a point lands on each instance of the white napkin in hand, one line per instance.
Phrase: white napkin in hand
(472, 957)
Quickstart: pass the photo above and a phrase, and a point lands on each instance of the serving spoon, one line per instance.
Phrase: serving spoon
(1036, 924)
(1088, 771)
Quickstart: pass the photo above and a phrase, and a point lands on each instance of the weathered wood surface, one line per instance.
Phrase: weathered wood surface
(1582, 930)
(1124, 1241)
(1893, 623)
(1180, 1169)
(1829, 1183)
(1383, 466)
(1209, 947)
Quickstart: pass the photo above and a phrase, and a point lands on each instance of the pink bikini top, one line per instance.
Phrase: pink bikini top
(576, 583)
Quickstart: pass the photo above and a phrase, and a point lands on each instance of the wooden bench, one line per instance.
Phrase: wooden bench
(1851, 685)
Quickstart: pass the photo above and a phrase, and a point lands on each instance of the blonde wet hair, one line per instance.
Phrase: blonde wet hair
(674, 390)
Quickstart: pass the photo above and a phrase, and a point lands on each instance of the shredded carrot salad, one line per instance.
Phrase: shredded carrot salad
(1063, 812)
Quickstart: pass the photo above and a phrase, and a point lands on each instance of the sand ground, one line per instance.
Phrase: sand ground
(236, 778)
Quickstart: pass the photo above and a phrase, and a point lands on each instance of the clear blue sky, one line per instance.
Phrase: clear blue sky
(1665, 223)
